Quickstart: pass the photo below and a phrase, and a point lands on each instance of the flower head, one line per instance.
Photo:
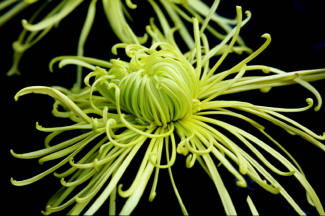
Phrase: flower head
(161, 100)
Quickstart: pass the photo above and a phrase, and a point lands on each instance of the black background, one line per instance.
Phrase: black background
(298, 42)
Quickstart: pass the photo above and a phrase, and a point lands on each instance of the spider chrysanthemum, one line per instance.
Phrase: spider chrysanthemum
(165, 102)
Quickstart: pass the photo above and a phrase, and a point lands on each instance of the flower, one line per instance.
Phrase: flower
(157, 96)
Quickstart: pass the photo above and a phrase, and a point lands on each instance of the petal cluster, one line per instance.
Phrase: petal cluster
(161, 101)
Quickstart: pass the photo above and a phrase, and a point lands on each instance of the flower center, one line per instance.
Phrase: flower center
(158, 88)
